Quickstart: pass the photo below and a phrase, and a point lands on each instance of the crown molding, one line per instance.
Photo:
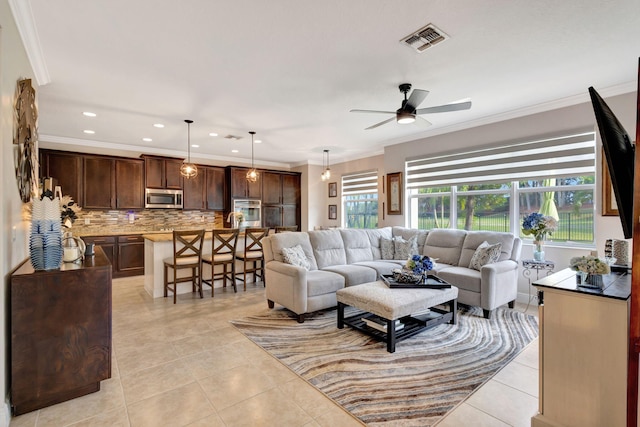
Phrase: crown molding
(23, 17)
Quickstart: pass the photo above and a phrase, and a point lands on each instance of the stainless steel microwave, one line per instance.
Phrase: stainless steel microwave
(158, 198)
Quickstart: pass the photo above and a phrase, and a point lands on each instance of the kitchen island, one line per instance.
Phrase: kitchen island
(157, 247)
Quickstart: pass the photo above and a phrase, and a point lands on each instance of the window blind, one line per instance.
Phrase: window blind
(565, 156)
(361, 182)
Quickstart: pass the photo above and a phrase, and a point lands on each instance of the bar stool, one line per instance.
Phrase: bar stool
(286, 228)
(187, 254)
(252, 256)
(223, 246)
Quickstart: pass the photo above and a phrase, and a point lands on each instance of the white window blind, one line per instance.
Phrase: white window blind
(566, 156)
(361, 182)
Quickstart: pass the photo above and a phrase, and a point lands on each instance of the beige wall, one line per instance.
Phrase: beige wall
(14, 65)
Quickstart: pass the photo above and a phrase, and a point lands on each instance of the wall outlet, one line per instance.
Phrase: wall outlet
(87, 221)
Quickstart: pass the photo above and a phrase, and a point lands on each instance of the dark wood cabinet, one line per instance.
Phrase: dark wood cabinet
(126, 253)
(99, 182)
(241, 188)
(129, 184)
(66, 168)
(60, 332)
(281, 199)
(271, 188)
(290, 189)
(162, 172)
(130, 255)
(194, 191)
(215, 188)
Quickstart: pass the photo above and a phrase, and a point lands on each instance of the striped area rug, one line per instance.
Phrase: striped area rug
(427, 376)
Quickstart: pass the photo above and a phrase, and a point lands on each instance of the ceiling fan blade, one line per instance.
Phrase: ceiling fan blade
(445, 108)
(416, 98)
(422, 122)
(381, 123)
(372, 111)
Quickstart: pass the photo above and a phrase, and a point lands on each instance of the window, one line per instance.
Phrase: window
(360, 200)
(495, 188)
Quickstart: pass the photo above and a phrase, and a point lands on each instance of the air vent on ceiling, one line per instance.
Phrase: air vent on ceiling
(424, 38)
(233, 137)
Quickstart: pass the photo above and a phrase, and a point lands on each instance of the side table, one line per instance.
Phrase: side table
(531, 265)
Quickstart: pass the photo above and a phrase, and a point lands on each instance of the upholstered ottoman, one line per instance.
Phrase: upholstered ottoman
(395, 306)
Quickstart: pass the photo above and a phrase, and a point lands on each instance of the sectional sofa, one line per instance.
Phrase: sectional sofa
(332, 259)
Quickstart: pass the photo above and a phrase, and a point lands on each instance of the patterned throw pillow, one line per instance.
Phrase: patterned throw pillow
(295, 256)
(485, 254)
(405, 248)
(387, 248)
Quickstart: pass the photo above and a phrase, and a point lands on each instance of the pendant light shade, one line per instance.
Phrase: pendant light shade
(252, 175)
(188, 169)
(326, 170)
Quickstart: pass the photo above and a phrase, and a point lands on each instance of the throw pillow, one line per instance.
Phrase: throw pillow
(405, 248)
(387, 248)
(295, 256)
(485, 254)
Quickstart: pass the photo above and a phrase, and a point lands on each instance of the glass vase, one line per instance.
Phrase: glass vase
(538, 250)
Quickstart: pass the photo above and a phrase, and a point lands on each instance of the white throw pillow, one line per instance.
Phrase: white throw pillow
(387, 248)
(296, 256)
(405, 248)
(485, 254)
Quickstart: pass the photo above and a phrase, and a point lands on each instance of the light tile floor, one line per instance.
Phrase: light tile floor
(185, 365)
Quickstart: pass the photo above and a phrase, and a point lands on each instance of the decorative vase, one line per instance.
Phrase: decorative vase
(538, 250)
(595, 280)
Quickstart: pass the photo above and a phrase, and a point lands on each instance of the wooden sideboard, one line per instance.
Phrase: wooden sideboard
(60, 323)
(583, 351)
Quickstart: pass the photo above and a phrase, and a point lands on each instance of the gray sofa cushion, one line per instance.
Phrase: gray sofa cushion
(320, 282)
(462, 277)
(382, 266)
(403, 249)
(354, 274)
(328, 247)
(445, 245)
(473, 239)
(289, 240)
(406, 233)
(357, 245)
(375, 236)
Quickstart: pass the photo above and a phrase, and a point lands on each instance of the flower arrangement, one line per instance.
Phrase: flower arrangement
(590, 264)
(537, 225)
(68, 211)
(420, 264)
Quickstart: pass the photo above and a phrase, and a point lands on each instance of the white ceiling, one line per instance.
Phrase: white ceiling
(292, 69)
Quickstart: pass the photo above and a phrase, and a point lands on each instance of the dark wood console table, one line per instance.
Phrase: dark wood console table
(60, 332)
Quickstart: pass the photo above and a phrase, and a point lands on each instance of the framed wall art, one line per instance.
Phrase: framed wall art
(394, 193)
(333, 211)
(333, 189)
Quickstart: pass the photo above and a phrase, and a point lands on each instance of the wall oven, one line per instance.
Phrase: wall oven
(158, 198)
(251, 211)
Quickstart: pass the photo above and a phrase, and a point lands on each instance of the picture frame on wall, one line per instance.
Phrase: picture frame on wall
(333, 189)
(609, 204)
(333, 211)
(394, 193)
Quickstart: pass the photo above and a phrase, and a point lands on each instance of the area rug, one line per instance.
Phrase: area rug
(428, 375)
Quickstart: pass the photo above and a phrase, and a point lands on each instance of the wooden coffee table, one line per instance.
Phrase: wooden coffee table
(391, 305)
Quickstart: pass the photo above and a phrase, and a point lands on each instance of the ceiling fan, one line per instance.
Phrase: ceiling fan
(409, 111)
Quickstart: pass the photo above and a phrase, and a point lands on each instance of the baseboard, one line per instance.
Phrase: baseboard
(525, 298)
(5, 416)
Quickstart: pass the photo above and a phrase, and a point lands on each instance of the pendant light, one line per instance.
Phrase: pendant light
(326, 173)
(188, 169)
(252, 175)
(324, 164)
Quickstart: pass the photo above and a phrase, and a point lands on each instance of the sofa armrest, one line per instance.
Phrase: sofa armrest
(499, 283)
(286, 284)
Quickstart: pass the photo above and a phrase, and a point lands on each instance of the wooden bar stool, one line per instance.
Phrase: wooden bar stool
(252, 256)
(187, 254)
(223, 247)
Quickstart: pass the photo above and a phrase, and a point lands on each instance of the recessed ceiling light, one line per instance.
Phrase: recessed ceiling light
(195, 146)
(234, 151)
(147, 139)
(89, 131)
(89, 114)
(213, 134)
(258, 141)
(158, 125)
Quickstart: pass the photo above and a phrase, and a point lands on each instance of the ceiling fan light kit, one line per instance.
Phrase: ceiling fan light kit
(252, 175)
(188, 169)
(409, 111)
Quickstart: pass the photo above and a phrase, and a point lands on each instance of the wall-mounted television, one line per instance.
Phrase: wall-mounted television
(619, 151)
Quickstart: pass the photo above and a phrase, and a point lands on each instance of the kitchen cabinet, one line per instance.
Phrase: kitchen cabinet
(60, 332)
(66, 168)
(129, 184)
(162, 172)
(125, 252)
(281, 199)
(215, 188)
(193, 191)
(240, 187)
(98, 182)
